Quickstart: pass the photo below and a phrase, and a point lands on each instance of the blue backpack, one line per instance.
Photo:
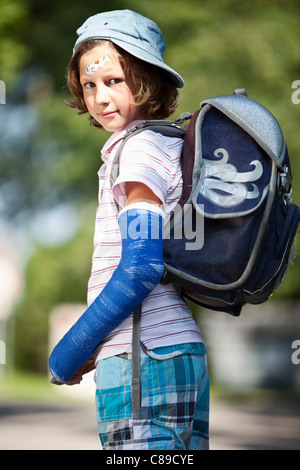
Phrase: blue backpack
(230, 240)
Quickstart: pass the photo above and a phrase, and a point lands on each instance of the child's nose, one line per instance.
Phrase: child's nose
(102, 94)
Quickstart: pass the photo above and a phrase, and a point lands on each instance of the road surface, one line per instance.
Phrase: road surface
(47, 427)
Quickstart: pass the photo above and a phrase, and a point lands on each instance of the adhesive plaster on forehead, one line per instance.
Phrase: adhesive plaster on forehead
(98, 64)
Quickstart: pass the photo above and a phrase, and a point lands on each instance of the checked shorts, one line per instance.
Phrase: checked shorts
(174, 412)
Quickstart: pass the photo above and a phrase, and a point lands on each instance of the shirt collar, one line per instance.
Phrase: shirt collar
(115, 138)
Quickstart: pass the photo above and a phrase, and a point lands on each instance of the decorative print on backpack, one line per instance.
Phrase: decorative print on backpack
(229, 181)
(235, 176)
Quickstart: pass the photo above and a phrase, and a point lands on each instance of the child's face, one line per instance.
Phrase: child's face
(106, 90)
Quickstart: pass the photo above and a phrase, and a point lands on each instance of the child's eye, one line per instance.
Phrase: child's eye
(88, 85)
(115, 81)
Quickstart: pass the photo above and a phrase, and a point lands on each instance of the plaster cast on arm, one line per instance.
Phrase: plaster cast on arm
(139, 271)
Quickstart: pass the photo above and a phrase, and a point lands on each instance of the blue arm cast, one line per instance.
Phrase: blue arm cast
(139, 271)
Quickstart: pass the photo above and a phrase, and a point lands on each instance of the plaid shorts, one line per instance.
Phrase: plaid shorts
(174, 412)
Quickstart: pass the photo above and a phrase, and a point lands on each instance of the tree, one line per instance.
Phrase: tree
(49, 156)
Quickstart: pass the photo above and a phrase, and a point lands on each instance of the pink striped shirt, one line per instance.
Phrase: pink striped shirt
(154, 160)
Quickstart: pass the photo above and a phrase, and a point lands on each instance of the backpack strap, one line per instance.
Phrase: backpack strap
(167, 128)
(188, 159)
(136, 368)
(171, 129)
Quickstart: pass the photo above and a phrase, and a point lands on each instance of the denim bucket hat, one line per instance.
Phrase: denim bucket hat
(132, 32)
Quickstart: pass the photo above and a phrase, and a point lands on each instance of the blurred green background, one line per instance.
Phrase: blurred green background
(49, 156)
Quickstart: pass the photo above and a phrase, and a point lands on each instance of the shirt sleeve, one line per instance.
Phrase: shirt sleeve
(145, 160)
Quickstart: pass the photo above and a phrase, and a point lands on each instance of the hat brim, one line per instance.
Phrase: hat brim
(136, 51)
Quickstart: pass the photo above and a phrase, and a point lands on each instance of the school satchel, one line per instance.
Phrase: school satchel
(230, 240)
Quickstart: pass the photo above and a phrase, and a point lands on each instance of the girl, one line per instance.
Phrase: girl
(117, 75)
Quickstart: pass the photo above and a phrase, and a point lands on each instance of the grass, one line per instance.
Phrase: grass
(25, 387)
(20, 387)
(30, 388)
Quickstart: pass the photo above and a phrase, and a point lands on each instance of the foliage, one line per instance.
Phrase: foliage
(53, 276)
(50, 155)
(13, 52)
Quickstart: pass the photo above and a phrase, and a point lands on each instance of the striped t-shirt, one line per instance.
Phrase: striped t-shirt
(152, 159)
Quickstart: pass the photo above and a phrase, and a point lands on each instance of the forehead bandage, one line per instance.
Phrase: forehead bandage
(98, 64)
(139, 271)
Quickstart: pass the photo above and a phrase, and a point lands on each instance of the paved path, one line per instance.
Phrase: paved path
(46, 427)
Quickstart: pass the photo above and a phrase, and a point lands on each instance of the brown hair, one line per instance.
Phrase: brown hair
(154, 92)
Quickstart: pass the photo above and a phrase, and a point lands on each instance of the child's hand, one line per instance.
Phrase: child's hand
(87, 367)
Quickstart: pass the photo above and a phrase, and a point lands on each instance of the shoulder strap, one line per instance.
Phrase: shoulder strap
(167, 128)
(136, 368)
(170, 129)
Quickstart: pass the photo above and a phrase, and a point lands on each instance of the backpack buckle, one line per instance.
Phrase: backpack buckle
(285, 185)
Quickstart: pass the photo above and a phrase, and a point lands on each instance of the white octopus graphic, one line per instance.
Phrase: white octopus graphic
(229, 181)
